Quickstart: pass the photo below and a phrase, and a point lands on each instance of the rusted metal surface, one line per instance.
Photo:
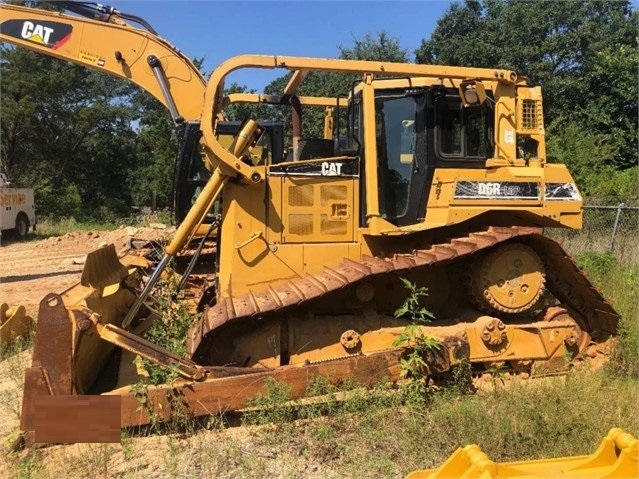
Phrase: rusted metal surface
(569, 284)
(51, 371)
(229, 394)
(183, 367)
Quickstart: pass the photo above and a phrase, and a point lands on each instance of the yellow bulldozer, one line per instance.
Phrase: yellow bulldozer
(432, 174)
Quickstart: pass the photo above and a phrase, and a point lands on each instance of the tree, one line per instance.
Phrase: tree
(583, 54)
(384, 48)
(66, 132)
(242, 111)
(157, 150)
(153, 174)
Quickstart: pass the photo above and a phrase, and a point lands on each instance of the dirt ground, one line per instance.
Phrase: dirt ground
(33, 268)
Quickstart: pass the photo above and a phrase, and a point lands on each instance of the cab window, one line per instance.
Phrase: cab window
(396, 138)
(462, 133)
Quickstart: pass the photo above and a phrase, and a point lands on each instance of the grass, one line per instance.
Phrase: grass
(369, 434)
(15, 360)
(619, 283)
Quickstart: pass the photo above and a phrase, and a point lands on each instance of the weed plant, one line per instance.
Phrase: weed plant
(170, 330)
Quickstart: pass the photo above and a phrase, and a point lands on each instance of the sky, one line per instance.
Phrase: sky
(218, 30)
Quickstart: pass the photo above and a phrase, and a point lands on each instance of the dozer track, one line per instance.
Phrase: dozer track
(347, 305)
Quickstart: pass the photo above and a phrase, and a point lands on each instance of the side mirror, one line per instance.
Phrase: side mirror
(472, 92)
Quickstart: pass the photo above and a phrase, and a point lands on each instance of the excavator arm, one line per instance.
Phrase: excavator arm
(109, 45)
(101, 39)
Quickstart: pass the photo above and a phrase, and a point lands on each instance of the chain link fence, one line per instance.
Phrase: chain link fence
(606, 228)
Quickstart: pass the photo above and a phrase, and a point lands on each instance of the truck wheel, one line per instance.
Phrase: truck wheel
(22, 226)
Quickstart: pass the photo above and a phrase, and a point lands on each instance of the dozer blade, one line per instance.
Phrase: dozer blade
(14, 323)
(76, 354)
(616, 457)
(69, 357)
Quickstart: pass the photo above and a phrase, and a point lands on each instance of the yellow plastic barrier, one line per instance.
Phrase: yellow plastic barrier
(616, 457)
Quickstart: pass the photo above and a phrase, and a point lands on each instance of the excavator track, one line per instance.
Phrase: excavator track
(284, 310)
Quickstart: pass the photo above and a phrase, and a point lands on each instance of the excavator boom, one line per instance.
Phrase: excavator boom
(113, 47)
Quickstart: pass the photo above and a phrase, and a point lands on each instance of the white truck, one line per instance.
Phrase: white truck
(17, 209)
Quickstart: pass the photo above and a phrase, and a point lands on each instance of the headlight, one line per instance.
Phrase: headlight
(562, 191)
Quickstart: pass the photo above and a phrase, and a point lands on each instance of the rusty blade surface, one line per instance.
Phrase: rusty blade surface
(234, 393)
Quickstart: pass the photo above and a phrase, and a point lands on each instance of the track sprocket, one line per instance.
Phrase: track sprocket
(510, 279)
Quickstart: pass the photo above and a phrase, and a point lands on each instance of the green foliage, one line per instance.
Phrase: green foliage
(620, 284)
(585, 58)
(384, 47)
(462, 380)
(15, 346)
(598, 265)
(412, 308)
(243, 111)
(169, 331)
(58, 226)
(589, 156)
(155, 154)
(414, 365)
(271, 407)
(31, 465)
(66, 132)
(319, 387)
(535, 419)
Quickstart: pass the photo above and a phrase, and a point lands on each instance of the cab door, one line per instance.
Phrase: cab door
(400, 130)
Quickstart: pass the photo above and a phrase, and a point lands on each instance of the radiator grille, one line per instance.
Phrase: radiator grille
(330, 193)
(300, 195)
(531, 115)
(332, 227)
(300, 224)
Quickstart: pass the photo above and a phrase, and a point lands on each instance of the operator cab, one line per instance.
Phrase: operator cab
(418, 130)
